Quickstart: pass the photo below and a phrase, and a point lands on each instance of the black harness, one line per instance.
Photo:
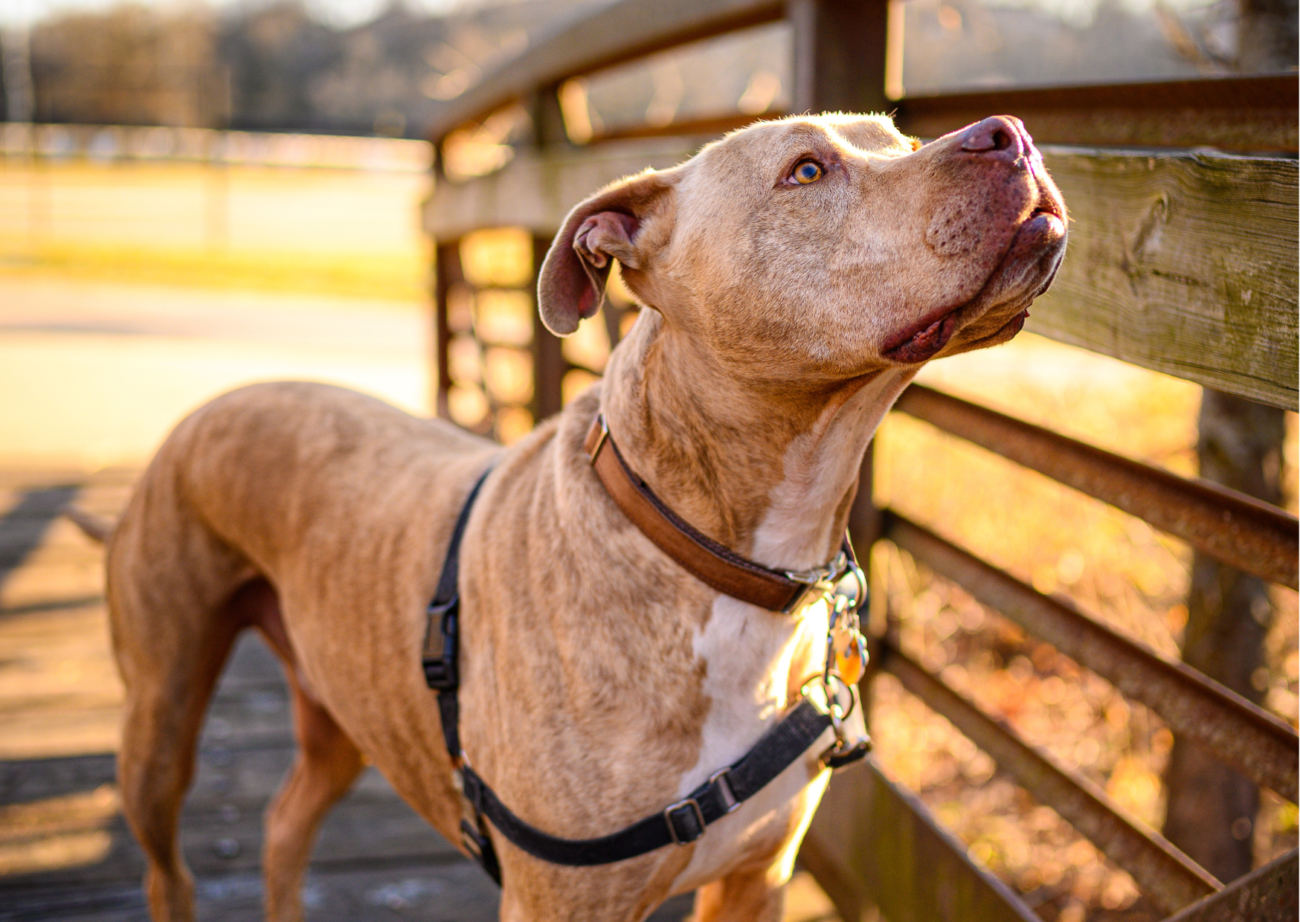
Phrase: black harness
(680, 823)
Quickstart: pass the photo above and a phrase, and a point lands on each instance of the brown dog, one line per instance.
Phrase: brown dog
(799, 273)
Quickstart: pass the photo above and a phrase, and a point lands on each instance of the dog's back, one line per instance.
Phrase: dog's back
(263, 491)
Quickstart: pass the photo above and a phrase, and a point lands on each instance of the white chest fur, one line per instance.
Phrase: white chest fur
(754, 656)
(751, 655)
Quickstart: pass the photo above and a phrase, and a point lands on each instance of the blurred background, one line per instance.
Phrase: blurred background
(195, 196)
(278, 149)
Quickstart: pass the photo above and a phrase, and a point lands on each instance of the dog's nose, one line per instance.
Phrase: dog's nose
(998, 136)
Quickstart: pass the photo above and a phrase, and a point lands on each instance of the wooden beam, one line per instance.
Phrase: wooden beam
(839, 55)
(1267, 894)
(1231, 113)
(1228, 524)
(620, 32)
(873, 837)
(1165, 875)
(709, 127)
(1259, 744)
(1184, 263)
(536, 190)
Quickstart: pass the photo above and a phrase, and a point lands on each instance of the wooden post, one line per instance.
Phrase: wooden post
(839, 55)
(840, 52)
(549, 364)
(840, 64)
(548, 118)
(447, 272)
(1212, 809)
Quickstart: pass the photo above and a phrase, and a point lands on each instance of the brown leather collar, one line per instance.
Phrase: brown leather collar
(706, 559)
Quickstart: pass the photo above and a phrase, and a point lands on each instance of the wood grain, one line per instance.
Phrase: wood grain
(1184, 263)
(1238, 113)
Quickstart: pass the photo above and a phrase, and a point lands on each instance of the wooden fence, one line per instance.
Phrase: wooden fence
(1181, 260)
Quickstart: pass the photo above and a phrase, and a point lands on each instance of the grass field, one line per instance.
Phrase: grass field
(343, 232)
(132, 292)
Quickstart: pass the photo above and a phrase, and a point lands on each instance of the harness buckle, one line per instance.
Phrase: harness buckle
(480, 849)
(687, 810)
(441, 643)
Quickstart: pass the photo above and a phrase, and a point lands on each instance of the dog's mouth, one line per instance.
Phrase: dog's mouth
(1042, 231)
(924, 340)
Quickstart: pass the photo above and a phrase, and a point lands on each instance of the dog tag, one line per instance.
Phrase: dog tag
(847, 648)
(850, 651)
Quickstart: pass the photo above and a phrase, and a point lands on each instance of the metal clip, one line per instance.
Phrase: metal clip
(825, 574)
(849, 592)
(440, 646)
(818, 581)
(720, 777)
(837, 755)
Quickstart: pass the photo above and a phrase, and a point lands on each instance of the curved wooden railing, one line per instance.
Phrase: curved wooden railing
(1181, 261)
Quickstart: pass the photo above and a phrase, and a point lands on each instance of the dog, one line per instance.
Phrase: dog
(796, 274)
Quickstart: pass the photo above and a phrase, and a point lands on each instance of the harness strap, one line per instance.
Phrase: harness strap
(680, 823)
(440, 659)
(442, 633)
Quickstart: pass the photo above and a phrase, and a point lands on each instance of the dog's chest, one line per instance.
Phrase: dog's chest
(756, 663)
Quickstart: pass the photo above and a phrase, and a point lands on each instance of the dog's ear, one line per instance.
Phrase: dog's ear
(606, 226)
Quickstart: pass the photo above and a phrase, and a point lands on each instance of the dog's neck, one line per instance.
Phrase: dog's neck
(768, 471)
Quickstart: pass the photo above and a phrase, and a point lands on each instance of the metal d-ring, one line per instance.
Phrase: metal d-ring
(834, 698)
(834, 710)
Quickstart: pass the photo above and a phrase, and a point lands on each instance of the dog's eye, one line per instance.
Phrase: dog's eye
(807, 172)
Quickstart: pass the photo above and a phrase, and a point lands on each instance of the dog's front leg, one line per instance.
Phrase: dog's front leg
(742, 896)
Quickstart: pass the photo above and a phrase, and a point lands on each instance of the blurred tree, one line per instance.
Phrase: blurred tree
(16, 73)
(127, 66)
(274, 53)
(267, 67)
(1212, 809)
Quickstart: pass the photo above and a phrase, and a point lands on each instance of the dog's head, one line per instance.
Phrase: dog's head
(824, 247)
